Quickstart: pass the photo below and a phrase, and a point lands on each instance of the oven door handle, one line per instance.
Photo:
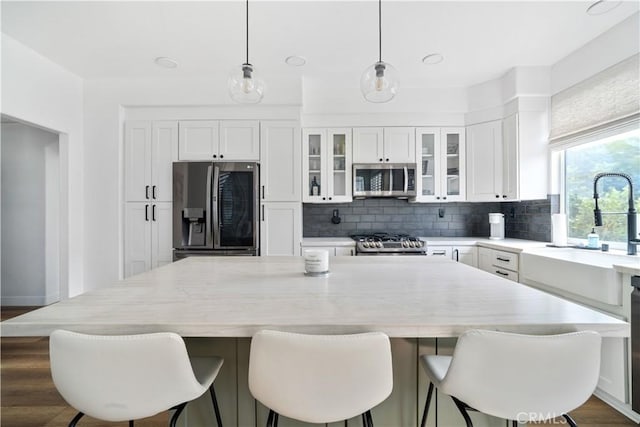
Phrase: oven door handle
(406, 180)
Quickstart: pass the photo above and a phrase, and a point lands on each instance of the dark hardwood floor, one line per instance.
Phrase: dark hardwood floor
(29, 398)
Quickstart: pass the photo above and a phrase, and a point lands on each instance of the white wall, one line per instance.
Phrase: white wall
(611, 47)
(107, 103)
(29, 216)
(40, 92)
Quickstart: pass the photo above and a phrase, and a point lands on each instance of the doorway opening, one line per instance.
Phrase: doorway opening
(30, 214)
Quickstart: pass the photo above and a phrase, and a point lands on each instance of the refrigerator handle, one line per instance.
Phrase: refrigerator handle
(215, 206)
(406, 179)
(208, 207)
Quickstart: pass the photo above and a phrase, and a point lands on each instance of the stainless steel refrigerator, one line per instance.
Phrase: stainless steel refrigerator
(215, 208)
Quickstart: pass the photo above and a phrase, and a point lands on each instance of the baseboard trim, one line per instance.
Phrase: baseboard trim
(623, 408)
(25, 301)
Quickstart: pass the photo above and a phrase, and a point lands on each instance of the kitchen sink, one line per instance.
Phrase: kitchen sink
(589, 274)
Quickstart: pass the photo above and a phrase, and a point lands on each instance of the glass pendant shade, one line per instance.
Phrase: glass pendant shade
(379, 82)
(245, 85)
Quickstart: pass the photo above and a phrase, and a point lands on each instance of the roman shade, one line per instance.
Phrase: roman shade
(611, 97)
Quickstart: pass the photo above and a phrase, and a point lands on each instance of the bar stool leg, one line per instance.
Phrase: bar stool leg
(426, 405)
(216, 409)
(463, 411)
(570, 420)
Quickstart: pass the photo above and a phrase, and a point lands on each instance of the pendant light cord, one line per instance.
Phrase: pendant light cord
(379, 29)
(247, 14)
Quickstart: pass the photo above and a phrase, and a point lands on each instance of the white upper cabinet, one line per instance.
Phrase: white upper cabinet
(368, 145)
(384, 145)
(280, 156)
(219, 140)
(239, 140)
(484, 162)
(327, 170)
(199, 140)
(164, 151)
(399, 145)
(508, 159)
(441, 164)
(149, 150)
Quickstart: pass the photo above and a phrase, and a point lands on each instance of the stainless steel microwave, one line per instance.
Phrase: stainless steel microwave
(384, 180)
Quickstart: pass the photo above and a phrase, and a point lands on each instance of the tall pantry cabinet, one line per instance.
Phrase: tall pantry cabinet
(149, 150)
(280, 188)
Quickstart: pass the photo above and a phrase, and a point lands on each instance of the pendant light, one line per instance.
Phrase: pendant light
(379, 82)
(245, 85)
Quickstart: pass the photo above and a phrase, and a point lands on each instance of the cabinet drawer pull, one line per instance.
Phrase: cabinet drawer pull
(439, 253)
(501, 273)
(503, 259)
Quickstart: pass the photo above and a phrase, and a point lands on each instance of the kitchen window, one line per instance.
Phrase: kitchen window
(606, 151)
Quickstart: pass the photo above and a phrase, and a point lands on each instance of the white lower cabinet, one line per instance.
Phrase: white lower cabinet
(148, 238)
(501, 263)
(333, 250)
(280, 228)
(464, 254)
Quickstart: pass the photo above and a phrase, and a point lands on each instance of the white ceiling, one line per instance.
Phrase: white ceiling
(479, 40)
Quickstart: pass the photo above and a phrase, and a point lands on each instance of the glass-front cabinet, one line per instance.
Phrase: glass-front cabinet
(327, 171)
(441, 164)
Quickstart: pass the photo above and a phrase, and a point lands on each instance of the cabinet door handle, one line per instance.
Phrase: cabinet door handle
(153, 212)
(386, 160)
(215, 156)
(380, 159)
(497, 196)
(351, 252)
(263, 192)
(504, 196)
(437, 197)
(153, 192)
(330, 198)
(457, 253)
(444, 198)
(503, 259)
(146, 192)
(262, 212)
(146, 212)
(222, 156)
(501, 273)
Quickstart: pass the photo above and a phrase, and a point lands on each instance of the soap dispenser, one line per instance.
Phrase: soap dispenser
(593, 241)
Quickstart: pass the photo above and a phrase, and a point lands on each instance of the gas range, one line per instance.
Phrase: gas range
(388, 244)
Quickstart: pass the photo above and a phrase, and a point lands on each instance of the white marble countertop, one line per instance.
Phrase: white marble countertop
(237, 296)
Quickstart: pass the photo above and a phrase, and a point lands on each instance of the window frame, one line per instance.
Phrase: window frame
(558, 150)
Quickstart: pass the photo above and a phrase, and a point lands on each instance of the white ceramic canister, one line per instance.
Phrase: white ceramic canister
(316, 262)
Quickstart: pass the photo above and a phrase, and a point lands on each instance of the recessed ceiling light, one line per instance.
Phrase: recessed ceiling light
(602, 6)
(295, 61)
(433, 59)
(165, 62)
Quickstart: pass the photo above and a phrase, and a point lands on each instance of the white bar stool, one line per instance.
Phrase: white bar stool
(128, 377)
(517, 377)
(320, 378)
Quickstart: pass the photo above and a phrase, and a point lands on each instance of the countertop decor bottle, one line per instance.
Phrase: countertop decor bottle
(315, 187)
(593, 241)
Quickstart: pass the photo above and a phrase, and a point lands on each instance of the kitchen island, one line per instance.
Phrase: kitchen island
(237, 296)
(219, 302)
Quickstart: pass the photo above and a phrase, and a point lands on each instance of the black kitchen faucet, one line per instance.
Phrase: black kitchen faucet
(632, 230)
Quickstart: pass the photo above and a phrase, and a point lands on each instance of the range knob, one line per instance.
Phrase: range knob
(405, 244)
(420, 243)
(378, 244)
(412, 244)
(365, 244)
